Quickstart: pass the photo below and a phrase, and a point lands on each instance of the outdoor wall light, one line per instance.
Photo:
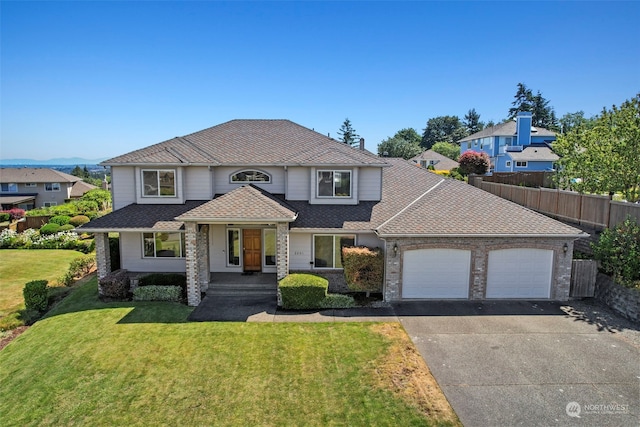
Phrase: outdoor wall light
(395, 249)
(565, 248)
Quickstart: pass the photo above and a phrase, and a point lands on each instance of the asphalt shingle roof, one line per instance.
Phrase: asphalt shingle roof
(444, 163)
(25, 175)
(251, 142)
(246, 203)
(142, 217)
(506, 129)
(540, 154)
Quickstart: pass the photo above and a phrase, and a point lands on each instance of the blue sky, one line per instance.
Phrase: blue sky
(99, 79)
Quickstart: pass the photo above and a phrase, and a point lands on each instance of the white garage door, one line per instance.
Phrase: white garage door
(436, 273)
(519, 273)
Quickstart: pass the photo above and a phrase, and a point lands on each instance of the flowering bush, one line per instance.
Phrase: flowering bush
(474, 162)
(32, 239)
(15, 213)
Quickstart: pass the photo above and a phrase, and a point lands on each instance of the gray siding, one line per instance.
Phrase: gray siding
(298, 183)
(369, 240)
(198, 183)
(300, 251)
(370, 184)
(123, 186)
(222, 179)
(132, 260)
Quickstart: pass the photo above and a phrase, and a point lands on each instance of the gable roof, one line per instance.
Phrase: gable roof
(444, 163)
(506, 129)
(244, 204)
(36, 175)
(251, 142)
(534, 154)
(81, 187)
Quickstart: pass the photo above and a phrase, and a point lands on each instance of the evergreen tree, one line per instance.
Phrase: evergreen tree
(523, 101)
(472, 122)
(442, 129)
(348, 134)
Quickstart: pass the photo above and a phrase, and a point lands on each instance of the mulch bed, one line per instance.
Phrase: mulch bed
(11, 335)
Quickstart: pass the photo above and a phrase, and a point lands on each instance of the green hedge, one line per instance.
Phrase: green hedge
(157, 293)
(36, 295)
(303, 291)
(78, 220)
(60, 220)
(165, 279)
(51, 228)
(337, 301)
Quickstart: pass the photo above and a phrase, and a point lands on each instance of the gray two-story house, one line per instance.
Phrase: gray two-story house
(272, 196)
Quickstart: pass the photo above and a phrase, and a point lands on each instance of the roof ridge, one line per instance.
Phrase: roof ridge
(411, 204)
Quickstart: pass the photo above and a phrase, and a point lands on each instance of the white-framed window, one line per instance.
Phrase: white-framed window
(10, 187)
(269, 245)
(159, 183)
(163, 245)
(508, 163)
(31, 184)
(49, 204)
(508, 140)
(327, 249)
(52, 186)
(334, 183)
(521, 164)
(250, 176)
(233, 247)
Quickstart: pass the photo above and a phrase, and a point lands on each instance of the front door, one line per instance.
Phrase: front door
(252, 249)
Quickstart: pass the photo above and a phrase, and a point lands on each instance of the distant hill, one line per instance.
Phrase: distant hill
(72, 161)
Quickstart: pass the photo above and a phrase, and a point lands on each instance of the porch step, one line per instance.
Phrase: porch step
(235, 289)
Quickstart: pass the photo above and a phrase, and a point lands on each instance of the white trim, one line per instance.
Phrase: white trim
(157, 171)
(333, 183)
(264, 248)
(268, 175)
(333, 250)
(155, 250)
(12, 187)
(52, 184)
(226, 249)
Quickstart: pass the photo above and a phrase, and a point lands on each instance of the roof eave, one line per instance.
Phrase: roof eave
(546, 235)
(236, 220)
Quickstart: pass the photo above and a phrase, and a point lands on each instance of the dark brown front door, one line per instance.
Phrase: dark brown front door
(252, 249)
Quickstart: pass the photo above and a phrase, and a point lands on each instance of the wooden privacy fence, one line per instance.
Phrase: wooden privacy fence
(583, 278)
(586, 209)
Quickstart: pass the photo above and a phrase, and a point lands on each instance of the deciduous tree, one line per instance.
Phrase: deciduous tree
(405, 144)
(603, 157)
(442, 129)
(447, 149)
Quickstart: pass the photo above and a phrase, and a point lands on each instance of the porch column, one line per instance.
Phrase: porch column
(203, 256)
(191, 243)
(103, 254)
(282, 248)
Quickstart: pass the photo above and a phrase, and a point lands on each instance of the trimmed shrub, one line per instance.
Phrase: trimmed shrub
(337, 301)
(618, 251)
(474, 162)
(78, 220)
(363, 269)
(60, 220)
(51, 228)
(114, 285)
(303, 291)
(66, 227)
(157, 293)
(36, 295)
(82, 266)
(168, 279)
(4, 216)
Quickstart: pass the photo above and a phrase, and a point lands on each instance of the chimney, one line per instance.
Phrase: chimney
(362, 144)
(523, 128)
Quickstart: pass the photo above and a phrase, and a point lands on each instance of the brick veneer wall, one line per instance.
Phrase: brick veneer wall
(480, 248)
(191, 253)
(103, 254)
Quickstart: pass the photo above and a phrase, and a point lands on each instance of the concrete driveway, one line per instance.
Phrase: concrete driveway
(529, 363)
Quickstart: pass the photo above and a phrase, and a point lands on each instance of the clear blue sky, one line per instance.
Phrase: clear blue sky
(99, 79)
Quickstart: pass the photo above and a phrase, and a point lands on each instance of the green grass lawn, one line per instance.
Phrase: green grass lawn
(93, 363)
(19, 266)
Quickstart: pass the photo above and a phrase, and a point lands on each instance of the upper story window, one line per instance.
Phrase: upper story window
(334, 183)
(52, 186)
(9, 187)
(159, 183)
(31, 184)
(521, 164)
(250, 176)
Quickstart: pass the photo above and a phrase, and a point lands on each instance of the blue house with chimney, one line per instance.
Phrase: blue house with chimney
(514, 146)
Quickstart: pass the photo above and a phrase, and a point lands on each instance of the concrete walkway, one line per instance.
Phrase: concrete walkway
(263, 308)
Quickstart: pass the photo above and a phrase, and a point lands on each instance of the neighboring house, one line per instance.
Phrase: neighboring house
(514, 146)
(29, 188)
(272, 196)
(438, 161)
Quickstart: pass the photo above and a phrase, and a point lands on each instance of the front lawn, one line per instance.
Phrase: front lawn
(19, 266)
(92, 363)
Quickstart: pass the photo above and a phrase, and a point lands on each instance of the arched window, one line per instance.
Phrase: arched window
(250, 176)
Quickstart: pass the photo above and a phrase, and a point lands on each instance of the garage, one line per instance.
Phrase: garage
(519, 273)
(436, 274)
